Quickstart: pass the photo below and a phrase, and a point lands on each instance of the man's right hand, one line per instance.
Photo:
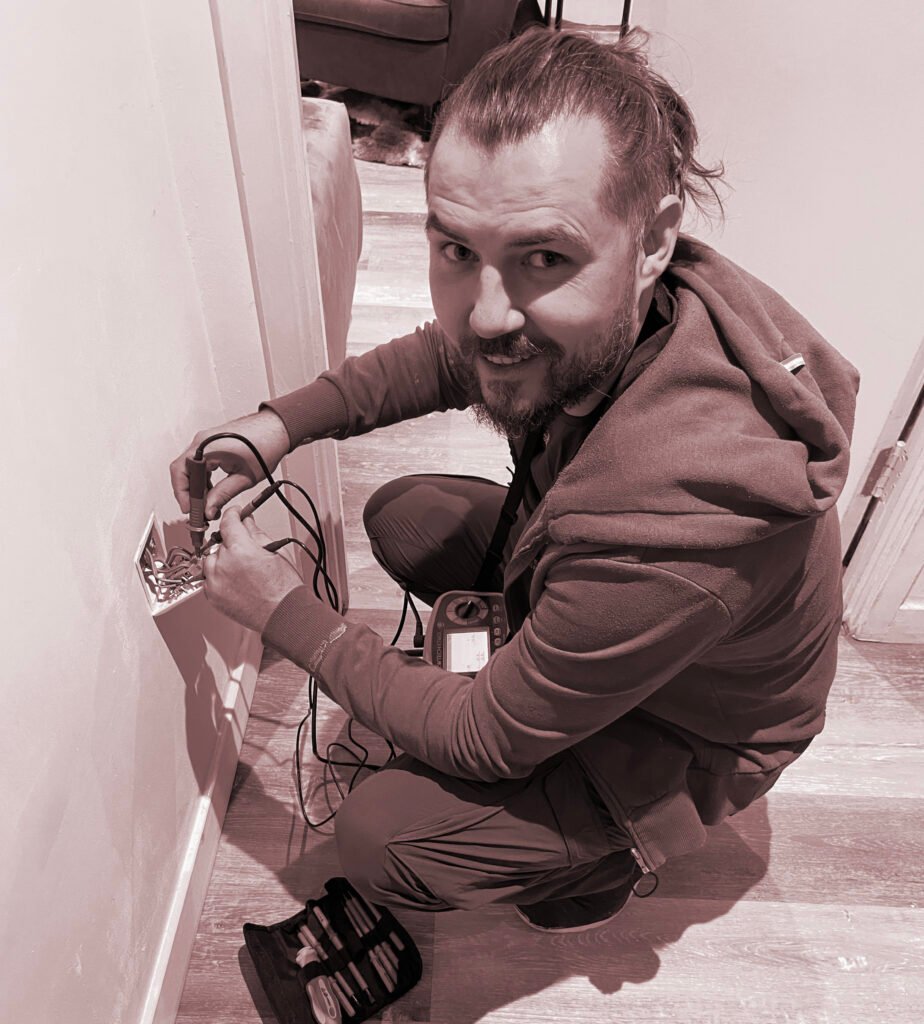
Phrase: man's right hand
(269, 436)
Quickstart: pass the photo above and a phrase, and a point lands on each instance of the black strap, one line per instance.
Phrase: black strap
(508, 513)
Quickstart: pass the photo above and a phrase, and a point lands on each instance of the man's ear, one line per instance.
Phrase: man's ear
(659, 242)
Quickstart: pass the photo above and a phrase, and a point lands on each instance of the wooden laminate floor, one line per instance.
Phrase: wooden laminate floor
(804, 908)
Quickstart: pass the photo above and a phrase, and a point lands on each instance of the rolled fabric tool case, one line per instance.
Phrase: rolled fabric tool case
(340, 959)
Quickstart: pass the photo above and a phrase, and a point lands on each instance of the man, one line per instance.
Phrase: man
(673, 581)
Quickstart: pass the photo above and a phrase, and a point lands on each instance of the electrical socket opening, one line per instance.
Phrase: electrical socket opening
(163, 588)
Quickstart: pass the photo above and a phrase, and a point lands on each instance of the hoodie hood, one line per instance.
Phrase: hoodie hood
(716, 443)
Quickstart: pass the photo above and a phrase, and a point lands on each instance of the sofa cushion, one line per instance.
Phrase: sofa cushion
(337, 206)
(423, 21)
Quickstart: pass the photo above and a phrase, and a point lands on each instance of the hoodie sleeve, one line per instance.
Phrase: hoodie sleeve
(604, 635)
(405, 378)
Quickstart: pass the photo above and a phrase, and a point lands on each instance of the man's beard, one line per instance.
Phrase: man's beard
(569, 379)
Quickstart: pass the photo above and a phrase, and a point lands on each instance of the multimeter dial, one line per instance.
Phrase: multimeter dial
(467, 610)
(465, 630)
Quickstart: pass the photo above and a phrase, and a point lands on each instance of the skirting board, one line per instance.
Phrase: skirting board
(169, 974)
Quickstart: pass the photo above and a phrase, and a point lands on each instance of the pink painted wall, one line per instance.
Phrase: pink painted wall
(127, 321)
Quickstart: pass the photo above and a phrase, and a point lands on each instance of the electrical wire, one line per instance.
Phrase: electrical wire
(320, 562)
(168, 582)
(319, 558)
(332, 596)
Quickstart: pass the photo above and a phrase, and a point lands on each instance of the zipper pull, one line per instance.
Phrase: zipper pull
(639, 861)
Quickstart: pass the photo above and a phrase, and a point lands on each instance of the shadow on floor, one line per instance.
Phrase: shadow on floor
(493, 958)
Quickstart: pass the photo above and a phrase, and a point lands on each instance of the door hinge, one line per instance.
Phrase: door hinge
(891, 471)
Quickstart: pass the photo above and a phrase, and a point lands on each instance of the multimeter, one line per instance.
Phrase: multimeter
(464, 630)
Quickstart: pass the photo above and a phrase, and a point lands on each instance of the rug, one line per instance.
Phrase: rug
(383, 131)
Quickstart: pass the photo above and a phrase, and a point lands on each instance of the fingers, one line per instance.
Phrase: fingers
(219, 495)
(208, 562)
(255, 532)
(232, 529)
(232, 457)
(179, 480)
(236, 532)
(179, 474)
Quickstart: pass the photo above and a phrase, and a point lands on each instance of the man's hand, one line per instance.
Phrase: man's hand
(242, 580)
(268, 434)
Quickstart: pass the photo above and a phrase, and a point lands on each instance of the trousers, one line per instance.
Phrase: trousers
(413, 837)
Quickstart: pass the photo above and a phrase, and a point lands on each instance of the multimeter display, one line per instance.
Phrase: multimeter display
(464, 630)
(467, 650)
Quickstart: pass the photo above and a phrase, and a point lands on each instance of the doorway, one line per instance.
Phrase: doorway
(884, 559)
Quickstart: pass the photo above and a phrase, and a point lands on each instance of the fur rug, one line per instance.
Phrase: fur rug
(383, 131)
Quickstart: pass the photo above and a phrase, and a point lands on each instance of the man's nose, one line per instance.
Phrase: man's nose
(494, 312)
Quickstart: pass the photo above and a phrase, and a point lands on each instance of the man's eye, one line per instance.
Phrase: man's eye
(457, 253)
(545, 260)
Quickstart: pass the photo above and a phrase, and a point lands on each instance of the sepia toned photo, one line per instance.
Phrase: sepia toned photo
(465, 511)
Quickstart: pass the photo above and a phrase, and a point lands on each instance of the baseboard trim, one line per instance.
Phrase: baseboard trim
(169, 973)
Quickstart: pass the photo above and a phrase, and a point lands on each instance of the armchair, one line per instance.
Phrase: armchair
(408, 50)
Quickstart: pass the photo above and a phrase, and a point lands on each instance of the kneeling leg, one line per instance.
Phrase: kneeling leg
(412, 837)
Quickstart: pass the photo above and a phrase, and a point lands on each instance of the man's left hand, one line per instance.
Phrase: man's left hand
(242, 580)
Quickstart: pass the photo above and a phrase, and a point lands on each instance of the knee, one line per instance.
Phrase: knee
(385, 520)
(374, 854)
(381, 499)
(392, 854)
(362, 834)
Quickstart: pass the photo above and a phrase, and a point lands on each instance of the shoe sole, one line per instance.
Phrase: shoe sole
(576, 928)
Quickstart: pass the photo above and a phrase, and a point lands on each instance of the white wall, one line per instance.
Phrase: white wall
(127, 322)
(589, 12)
(815, 107)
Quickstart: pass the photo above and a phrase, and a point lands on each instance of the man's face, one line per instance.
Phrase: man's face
(532, 279)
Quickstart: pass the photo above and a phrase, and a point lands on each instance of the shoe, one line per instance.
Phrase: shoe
(579, 913)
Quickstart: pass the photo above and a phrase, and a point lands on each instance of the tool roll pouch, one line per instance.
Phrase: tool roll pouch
(371, 962)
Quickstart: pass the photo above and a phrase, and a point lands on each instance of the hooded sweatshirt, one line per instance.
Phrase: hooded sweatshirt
(674, 598)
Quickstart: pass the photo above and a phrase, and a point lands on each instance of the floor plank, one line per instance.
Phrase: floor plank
(698, 960)
(389, 189)
(386, 287)
(370, 324)
(806, 907)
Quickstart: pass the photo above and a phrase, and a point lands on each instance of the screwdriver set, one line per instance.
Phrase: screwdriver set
(340, 959)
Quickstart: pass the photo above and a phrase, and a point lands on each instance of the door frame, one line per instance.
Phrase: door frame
(886, 510)
(258, 66)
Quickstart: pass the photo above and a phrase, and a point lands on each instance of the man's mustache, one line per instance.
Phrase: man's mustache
(516, 345)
